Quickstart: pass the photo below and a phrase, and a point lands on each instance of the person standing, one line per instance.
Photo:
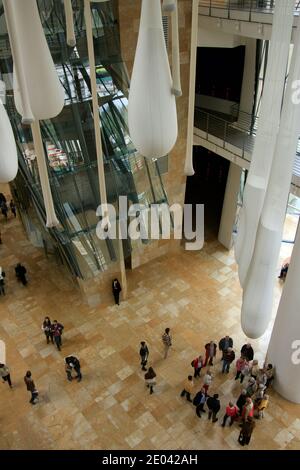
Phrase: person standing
(251, 387)
(116, 288)
(213, 405)
(4, 209)
(254, 369)
(31, 387)
(231, 412)
(5, 374)
(248, 409)
(2, 281)
(150, 379)
(246, 431)
(224, 344)
(188, 388)
(21, 273)
(241, 400)
(57, 329)
(199, 402)
(239, 366)
(261, 406)
(207, 380)
(247, 352)
(167, 342)
(13, 208)
(269, 370)
(197, 363)
(228, 358)
(210, 353)
(73, 363)
(47, 329)
(144, 353)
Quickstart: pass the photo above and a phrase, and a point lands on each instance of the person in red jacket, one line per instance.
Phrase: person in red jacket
(197, 363)
(210, 353)
(231, 412)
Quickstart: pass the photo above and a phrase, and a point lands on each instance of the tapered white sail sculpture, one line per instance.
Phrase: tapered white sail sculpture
(259, 285)
(188, 166)
(284, 347)
(152, 116)
(8, 150)
(265, 140)
(37, 91)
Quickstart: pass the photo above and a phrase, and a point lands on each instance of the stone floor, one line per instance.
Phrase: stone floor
(197, 295)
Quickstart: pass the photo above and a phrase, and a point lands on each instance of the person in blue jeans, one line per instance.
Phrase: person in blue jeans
(228, 358)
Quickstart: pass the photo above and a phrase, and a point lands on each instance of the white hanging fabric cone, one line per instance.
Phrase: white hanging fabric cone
(71, 40)
(96, 117)
(265, 140)
(8, 150)
(284, 347)
(40, 94)
(152, 116)
(176, 88)
(259, 286)
(45, 185)
(188, 166)
(169, 5)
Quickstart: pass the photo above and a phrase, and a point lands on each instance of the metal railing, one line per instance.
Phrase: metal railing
(240, 134)
(228, 132)
(250, 6)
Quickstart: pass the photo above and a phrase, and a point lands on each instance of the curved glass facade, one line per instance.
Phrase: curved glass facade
(69, 141)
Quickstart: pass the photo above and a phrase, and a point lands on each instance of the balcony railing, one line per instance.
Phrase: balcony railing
(250, 6)
(237, 131)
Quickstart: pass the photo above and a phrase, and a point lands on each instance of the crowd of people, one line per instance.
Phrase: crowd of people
(253, 398)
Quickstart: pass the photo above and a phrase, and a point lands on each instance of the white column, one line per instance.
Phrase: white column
(188, 167)
(284, 348)
(248, 84)
(230, 206)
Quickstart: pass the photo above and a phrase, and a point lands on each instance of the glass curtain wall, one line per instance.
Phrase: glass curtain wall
(69, 141)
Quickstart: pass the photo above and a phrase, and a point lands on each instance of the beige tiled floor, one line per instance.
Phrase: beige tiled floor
(196, 294)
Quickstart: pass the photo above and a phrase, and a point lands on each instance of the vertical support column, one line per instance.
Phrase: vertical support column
(284, 347)
(248, 84)
(188, 167)
(122, 270)
(230, 206)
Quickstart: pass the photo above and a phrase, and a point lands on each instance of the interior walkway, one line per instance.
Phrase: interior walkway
(197, 295)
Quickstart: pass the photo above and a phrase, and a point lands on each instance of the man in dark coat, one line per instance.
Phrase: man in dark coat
(228, 358)
(116, 288)
(199, 402)
(225, 343)
(213, 405)
(21, 273)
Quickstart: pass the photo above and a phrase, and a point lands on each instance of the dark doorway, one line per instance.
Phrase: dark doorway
(220, 72)
(207, 187)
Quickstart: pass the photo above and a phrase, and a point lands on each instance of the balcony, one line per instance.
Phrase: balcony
(256, 11)
(233, 137)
